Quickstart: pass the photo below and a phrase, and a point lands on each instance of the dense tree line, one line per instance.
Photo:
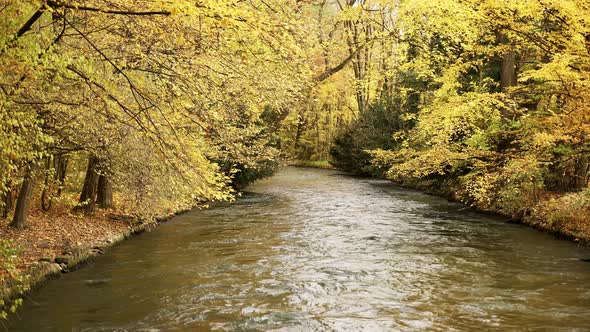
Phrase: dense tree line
(172, 103)
(156, 103)
(486, 101)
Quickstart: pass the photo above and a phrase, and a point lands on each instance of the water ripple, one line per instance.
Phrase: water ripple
(315, 250)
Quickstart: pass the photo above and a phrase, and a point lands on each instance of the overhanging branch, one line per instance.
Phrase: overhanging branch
(328, 73)
(56, 4)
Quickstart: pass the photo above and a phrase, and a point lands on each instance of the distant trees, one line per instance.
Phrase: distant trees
(491, 96)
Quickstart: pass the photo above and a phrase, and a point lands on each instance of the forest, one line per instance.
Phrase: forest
(139, 108)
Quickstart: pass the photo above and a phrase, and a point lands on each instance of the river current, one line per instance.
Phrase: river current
(318, 250)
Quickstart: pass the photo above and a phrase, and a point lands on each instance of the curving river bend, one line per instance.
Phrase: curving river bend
(316, 250)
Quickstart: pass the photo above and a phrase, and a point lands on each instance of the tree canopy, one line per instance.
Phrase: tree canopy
(164, 98)
(179, 102)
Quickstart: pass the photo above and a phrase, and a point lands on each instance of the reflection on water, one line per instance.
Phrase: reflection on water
(318, 250)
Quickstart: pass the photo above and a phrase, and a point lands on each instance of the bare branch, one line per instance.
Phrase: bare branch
(56, 4)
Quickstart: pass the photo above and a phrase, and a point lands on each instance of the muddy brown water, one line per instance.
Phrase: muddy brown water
(317, 250)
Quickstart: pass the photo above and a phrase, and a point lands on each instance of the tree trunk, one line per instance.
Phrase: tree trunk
(105, 193)
(46, 196)
(88, 194)
(508, 70)
(24, 198)
(7, 200)
(61, 165)
(318, 141)
(507, 65)
(300, 124)
(582, 169)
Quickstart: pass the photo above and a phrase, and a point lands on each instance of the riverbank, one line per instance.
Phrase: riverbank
(309, 243)
(566, 216)
(321, 164)
(60, 241)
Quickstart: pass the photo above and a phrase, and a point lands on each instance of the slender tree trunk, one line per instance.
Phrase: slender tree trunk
(46, 194)
(24, 198)
(7, 200)
(300, 124)
(61, 166)
(358, 62)
(582, 171)
(360, 89)
(105, 193)
(318, 141)
(330, 128)
(88, 194)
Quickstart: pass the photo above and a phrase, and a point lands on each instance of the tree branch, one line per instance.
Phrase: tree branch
(56, 4)
(29, 24)
(328, 73)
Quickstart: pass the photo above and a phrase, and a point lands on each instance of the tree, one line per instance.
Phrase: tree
(24, 197)
(151, 91)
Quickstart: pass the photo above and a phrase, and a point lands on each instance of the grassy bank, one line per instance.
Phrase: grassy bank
(324, 164)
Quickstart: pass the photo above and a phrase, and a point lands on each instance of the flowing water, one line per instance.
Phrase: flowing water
(316, 250)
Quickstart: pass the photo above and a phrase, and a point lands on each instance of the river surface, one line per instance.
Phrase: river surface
(317, 250)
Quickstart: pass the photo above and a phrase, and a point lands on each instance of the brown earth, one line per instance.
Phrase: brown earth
(51, 233)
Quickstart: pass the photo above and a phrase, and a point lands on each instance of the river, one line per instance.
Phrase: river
(317, 250)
